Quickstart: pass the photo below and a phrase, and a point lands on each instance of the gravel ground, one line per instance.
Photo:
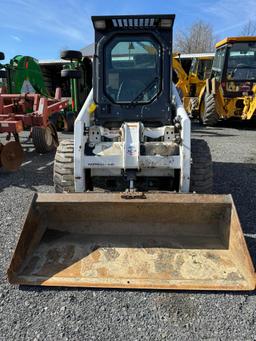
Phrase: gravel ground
(37, 313)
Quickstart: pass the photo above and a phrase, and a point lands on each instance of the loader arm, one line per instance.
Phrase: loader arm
(182, 76)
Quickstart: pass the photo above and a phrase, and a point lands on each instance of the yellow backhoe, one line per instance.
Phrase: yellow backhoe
(190, 84)
(230, 92)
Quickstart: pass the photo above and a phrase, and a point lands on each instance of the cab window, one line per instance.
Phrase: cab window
(132, 70)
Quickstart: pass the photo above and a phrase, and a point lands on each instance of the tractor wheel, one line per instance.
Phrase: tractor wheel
(63, 176)
(72, 74)
(70, 120)
(193, 106)
(2, 56)
(44, 139)
(209, 116)
(201, 175)
(71, 55)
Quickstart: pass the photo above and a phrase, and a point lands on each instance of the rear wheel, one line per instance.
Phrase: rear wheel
(209, 115)
(193, 106)
(44, 139)
(70, 120)
(72, 74)
(63, 176)
(71, 55)
(201, 175)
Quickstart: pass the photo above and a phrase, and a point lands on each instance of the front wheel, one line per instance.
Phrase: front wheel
(63, 174)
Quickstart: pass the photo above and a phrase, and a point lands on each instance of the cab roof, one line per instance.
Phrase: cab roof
(234, 40)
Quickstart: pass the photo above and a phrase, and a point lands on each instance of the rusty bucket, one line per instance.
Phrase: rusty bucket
(160, 241)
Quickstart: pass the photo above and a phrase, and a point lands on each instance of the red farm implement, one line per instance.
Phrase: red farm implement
(19, 112)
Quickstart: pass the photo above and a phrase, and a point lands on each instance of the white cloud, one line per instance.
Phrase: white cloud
(69, 20)
(16, 38)
(230, 15)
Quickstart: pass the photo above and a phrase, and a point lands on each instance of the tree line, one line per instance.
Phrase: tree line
(199, 37)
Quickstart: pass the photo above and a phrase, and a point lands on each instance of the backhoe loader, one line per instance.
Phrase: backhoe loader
(190, 85)
(132, 222)
(230, 92)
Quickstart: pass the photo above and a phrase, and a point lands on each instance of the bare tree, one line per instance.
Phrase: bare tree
(197, 38)
(249, 29)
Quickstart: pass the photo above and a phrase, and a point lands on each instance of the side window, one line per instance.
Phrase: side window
(204, 69)
(193, 67)
(218, 62)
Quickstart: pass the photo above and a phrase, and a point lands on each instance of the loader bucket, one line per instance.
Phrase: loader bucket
(161, 241)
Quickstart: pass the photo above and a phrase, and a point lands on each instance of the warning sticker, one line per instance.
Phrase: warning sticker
(27, 88)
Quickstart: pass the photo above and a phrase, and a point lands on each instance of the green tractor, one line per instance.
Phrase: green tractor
(78, 71)
(23, 74)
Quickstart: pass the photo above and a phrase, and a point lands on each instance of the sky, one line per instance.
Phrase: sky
(43, 28)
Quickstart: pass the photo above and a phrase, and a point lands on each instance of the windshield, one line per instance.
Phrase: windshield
(242, 61)
(204, 68)
(132, 69)
(201, 68)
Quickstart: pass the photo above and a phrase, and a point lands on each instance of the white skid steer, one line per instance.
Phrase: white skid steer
(141, 215)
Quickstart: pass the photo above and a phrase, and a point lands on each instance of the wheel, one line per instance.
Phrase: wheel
(73, 74)
(71, 55)
(209, 115)
(12, 155)
(193, 106)
(63, 176)
(201, 174)
(44, 139)
(2, 56)
(70, 120)
(3, 74)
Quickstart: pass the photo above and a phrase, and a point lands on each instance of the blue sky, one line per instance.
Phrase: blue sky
(42, 28)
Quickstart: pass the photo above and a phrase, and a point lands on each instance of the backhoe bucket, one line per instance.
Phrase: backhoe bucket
(159, 241)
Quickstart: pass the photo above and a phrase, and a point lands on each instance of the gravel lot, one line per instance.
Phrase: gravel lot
(37, 313)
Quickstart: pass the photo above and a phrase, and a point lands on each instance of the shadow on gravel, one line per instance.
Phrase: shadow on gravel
(239, 179)
(231, 123)
(36, 170)
(205, 132)
(237, 124)
(48, 289)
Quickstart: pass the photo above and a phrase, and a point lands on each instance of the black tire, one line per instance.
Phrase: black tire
(2, 56)
(201, 174)
(70, 120)
(74, 74)
(193, 105)
(44, 139)
(71, 55)
(63, 176)
(210, 115)
(3, 74)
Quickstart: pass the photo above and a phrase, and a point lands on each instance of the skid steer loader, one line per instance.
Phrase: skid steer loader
(230, 92)
(132, 138)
